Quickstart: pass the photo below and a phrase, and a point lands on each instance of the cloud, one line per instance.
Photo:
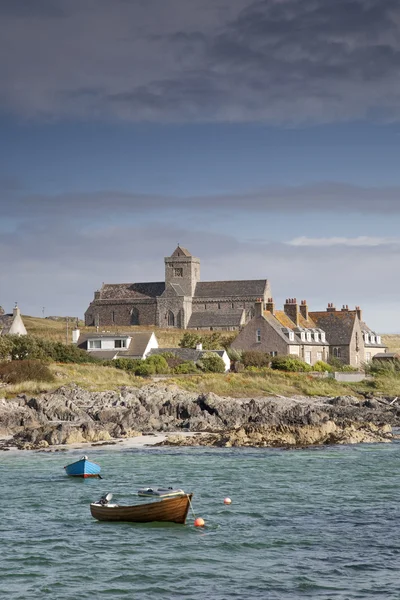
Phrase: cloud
(290, 61)
(361, 240)
(59, 267)
(324, 197)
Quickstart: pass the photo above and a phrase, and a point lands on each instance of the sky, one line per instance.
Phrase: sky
(262, 135)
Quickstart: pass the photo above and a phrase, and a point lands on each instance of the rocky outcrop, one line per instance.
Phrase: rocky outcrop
(288, 436)
(71, 414)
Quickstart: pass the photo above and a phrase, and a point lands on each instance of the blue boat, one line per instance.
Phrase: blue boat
(83, 468)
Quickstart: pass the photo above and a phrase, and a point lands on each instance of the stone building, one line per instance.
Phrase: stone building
(350, 339)
(312, 336)
(182, 301)
(278, 332)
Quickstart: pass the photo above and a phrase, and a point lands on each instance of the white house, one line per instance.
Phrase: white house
(107, 346)
(12, 324)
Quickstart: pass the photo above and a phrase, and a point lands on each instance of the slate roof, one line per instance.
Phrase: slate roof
(338, 325)
(386, 356)
(186, 353)
(137, 346)
(217, 318)
(179, 251)
(137, 291)
(5, 323)
(280, 320)
(220, 289)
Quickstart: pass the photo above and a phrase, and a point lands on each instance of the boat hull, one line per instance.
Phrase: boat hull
(172, 510)
(83, 468)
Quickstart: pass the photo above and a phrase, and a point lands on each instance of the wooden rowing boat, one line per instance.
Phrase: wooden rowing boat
(173, 510)
(83, 468)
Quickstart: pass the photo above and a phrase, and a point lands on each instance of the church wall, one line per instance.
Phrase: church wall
(121, 314)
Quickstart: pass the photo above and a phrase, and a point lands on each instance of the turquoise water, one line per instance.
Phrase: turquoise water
(318, 523)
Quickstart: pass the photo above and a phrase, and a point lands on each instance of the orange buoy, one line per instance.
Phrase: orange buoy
(199, 522)
(227, 501)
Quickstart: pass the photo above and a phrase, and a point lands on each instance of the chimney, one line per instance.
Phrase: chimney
(304, 309)
(16, 311)
(270, 306)
(97, 295)
(359, 313)
(75, 335)
(331, 308)
(345, 308)
(199, 346)
(291, 309)
(258, 307)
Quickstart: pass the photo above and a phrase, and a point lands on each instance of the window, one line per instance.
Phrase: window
(219, 304)
(134, 316)
(323, 336)
(178, 272)
(94, 344)
(291, 336)
(113, 316)
(205, 307)
(368, 357)
(316, 336)
(274, 353)
(258, 336)
(337, 352)
(303, 336)
(319, 356)
(308, 334)
(372, 339)
(366, 338)
(119, 343)
(378, 339)
(233, 305)
(171, 319)
(307, 357)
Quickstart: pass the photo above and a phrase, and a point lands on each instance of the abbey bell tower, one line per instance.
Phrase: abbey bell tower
(182, 272)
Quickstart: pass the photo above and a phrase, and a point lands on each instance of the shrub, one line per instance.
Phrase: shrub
(290, 363)
(186, 368)
(5, 346)
(144, 369)
(253, 358)
(25, 370)
(158, 363)
(190, 340)
(26, 346)
(387, 367)
(211, 363)
(67, 354)
(126, 364)
(321, 366)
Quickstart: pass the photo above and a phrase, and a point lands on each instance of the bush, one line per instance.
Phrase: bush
(290, 363)
(67, 354)
(382, 367)
(26, 346)
(321, 366)
(25, 370)
(186, 368)
(211, 363)
(190, 340)
(126, 364)
(5, 346)
(159, 363)
(144, 369)
(253, 358)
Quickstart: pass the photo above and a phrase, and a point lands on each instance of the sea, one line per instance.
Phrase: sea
(315, 523)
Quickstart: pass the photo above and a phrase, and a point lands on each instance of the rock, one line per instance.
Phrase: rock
(71, 414)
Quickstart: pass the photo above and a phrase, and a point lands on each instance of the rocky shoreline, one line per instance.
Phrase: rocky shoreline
(72, 415)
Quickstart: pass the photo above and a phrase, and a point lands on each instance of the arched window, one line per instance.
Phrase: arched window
(337, 352)
(134, 316)
(171, 319)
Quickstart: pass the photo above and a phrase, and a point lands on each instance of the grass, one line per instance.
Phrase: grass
(57, 331)
(392, 341)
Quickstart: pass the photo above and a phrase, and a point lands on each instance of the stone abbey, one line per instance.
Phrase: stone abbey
(182, 301)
